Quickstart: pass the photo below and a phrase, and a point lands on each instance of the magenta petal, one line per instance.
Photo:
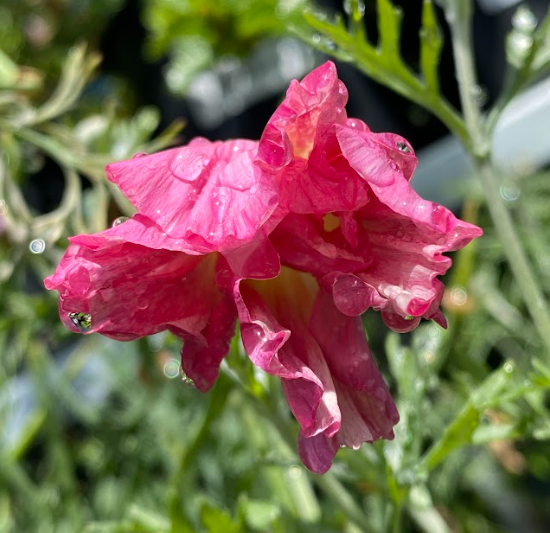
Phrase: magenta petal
(257, 259)
(210, 196)
(317, 452)
(294, 357)
(407, 235)
(368, 411)
(300, 152)
(201, 356)
(303, 245)
(309, 109)
(131, 291)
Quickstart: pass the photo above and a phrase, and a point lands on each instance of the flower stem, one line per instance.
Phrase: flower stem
(459, 17)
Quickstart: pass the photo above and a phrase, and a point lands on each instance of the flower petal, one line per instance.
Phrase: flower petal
(299, 150)
(407, 235)
(266, 325)
(201, 356)
(361, 389)
(210, 196)
(131, 291)
(317, 452)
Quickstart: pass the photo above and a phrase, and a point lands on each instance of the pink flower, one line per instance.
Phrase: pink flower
(200, 208)
(320, 195)
(360, 237)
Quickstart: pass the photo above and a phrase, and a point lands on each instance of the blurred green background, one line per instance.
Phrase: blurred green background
(99, 436)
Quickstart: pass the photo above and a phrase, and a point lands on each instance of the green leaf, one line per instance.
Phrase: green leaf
(461, 430)
(8, 71)
(260, 515)
(389, 27)
(384, 63)
(217, 521)
(431, 43)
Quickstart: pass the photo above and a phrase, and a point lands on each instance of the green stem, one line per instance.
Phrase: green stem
(525, 278)
(460, 25)
(459, 18)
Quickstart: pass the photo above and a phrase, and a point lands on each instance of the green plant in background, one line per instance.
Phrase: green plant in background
(195, 33)
(144, 453)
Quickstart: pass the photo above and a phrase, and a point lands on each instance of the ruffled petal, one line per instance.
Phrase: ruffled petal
(360, 387)
(304, 244)
(299, 150)
(130, 291)
(407, 235)
(277, 340)
(209, 196)
(317, 453)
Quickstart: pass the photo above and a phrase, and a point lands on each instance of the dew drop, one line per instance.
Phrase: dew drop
(186, 380)
(143, 302)
(118, 221)
(37, 246)
(508, 368)
(402, 147)
(83, 321)
(316, 39)
(519, 44)
(295, 473)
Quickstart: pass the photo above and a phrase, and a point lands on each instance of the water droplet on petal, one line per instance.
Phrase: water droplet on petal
(402, 147)
(83, 321)
(186, 380)
(143, 302)
(118, 221)
(37, 246)
(139, 154)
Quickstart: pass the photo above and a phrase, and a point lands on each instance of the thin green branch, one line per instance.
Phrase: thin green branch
(460, 26)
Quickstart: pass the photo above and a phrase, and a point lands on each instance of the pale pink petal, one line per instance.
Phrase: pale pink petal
(209, 196)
